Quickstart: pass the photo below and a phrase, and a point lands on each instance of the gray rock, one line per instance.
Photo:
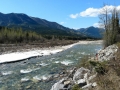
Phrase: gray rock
(71, 72)
(82, 82)
(92, 77)
(107, 53)
(63, 84)
(90, 85)
(87, 87)
(58, 85)
(56, 75)
(66, 82)
(79, 74)
(94, 84)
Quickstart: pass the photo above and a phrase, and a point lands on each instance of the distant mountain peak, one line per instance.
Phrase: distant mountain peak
(92, 31)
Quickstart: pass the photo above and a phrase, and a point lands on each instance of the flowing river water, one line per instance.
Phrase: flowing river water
(32, 74)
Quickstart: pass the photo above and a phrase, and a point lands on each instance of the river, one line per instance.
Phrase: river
(32, 74)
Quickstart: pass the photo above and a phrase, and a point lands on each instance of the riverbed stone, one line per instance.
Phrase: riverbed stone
(56, 75)
(58, 85)
(28, 87)
(63, 84)
(87, 87)
(80, 74)
(66, 82)
(71, 72)
(94, 84)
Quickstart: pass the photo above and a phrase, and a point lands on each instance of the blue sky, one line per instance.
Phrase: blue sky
(70, 13)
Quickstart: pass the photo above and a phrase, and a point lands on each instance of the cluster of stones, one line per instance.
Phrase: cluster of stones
(81, 76)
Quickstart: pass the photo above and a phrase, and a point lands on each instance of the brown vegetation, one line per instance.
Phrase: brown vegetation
(24, 46)
(110, 80)
(108, 72)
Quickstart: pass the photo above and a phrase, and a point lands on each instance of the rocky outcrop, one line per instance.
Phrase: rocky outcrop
(107, 53)
(81, 76)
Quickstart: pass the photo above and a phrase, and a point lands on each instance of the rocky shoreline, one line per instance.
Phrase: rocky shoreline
(82, 76)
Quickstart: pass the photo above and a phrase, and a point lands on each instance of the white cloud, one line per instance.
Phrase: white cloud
(118, 8)
(93, 12)
(75, 28)
(99, 25)
(109, 8)
(74, 15)
(90, 12)
(96, 24)
(62, 23)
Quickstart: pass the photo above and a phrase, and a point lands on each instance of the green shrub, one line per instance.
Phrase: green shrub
(76, 87)
(100, 67)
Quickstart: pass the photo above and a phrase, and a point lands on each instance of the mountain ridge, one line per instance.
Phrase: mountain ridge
(42, 26)
(20, 18)
(92, 31)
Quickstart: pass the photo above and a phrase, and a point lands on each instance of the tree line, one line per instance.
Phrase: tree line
(18, 35)
(12, 35)
(109, 18)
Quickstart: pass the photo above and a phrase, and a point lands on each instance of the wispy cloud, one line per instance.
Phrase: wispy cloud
(75, 28)
(62, 23)
(96, 25)
(90, 12)
(99, 25)
(93, 12)
(74, 15)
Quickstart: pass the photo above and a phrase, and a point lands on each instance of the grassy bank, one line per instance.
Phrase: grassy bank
(110, 80)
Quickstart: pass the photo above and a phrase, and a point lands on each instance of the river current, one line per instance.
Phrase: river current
(32, 74)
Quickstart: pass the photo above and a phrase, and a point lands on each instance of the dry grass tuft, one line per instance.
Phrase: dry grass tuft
(111, 79)
(108, 72)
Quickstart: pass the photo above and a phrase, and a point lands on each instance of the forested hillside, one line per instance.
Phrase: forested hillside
(40, 26)
(11, 35)
(18, 35)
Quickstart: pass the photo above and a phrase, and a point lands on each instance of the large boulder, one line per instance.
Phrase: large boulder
(107, 53)
(81, 75)
(83, 78)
